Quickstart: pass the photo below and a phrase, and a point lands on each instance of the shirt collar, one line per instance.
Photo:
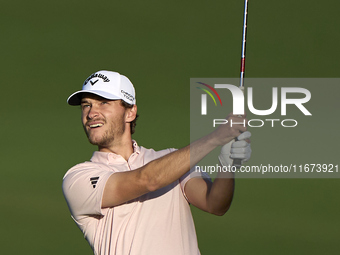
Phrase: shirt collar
(110, 157)
(135, 146)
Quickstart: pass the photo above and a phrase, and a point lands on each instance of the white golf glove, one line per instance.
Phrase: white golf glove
(239, 149)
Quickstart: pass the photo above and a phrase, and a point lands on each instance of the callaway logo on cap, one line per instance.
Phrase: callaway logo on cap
(107, 84)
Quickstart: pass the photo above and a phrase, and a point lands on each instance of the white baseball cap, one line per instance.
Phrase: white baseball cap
(106, 84)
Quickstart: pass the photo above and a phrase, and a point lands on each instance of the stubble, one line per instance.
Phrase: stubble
(115, 130)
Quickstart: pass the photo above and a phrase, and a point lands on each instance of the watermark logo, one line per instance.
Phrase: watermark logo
(281, 99)
(238, 99)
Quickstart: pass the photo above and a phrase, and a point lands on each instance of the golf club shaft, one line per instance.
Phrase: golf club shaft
(237, 162)
(244, 41)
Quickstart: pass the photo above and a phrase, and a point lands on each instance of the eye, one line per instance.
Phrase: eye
(104, 102)
(83, 106)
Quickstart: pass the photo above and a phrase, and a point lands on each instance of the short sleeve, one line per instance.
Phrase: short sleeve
(83, 187)
(193, 173)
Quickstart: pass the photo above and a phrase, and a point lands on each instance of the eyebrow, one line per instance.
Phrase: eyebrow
(84, 101)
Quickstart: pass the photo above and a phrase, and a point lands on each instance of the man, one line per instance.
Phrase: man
(133, 200)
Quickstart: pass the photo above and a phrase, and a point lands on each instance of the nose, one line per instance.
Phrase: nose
(92, 113)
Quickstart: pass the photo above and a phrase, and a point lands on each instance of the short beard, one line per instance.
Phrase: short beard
(109, 136)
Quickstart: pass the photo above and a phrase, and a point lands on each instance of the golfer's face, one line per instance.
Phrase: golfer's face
(103, 119)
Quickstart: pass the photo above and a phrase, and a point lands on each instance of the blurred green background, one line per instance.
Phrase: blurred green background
(48, 48)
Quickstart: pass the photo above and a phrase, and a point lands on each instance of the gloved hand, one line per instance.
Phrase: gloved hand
(236, 149)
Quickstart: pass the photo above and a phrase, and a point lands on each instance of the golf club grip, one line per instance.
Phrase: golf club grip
(237, 162)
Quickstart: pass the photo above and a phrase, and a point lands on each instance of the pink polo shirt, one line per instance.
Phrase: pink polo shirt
(157, 223)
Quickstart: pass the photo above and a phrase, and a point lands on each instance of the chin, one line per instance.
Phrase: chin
(95, 140)
(101, 141)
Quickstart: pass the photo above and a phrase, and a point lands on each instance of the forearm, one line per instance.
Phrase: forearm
(220, 194)
(163, 171)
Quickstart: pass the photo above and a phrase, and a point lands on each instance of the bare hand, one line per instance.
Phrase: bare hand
(236, 125)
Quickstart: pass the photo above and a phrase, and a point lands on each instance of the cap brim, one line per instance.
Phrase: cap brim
(75, 98)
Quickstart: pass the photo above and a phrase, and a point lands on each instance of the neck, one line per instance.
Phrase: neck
(123, 148)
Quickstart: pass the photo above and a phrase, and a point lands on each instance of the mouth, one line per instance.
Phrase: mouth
(95, 125)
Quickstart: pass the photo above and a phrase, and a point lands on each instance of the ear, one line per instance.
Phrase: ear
(131, 113)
